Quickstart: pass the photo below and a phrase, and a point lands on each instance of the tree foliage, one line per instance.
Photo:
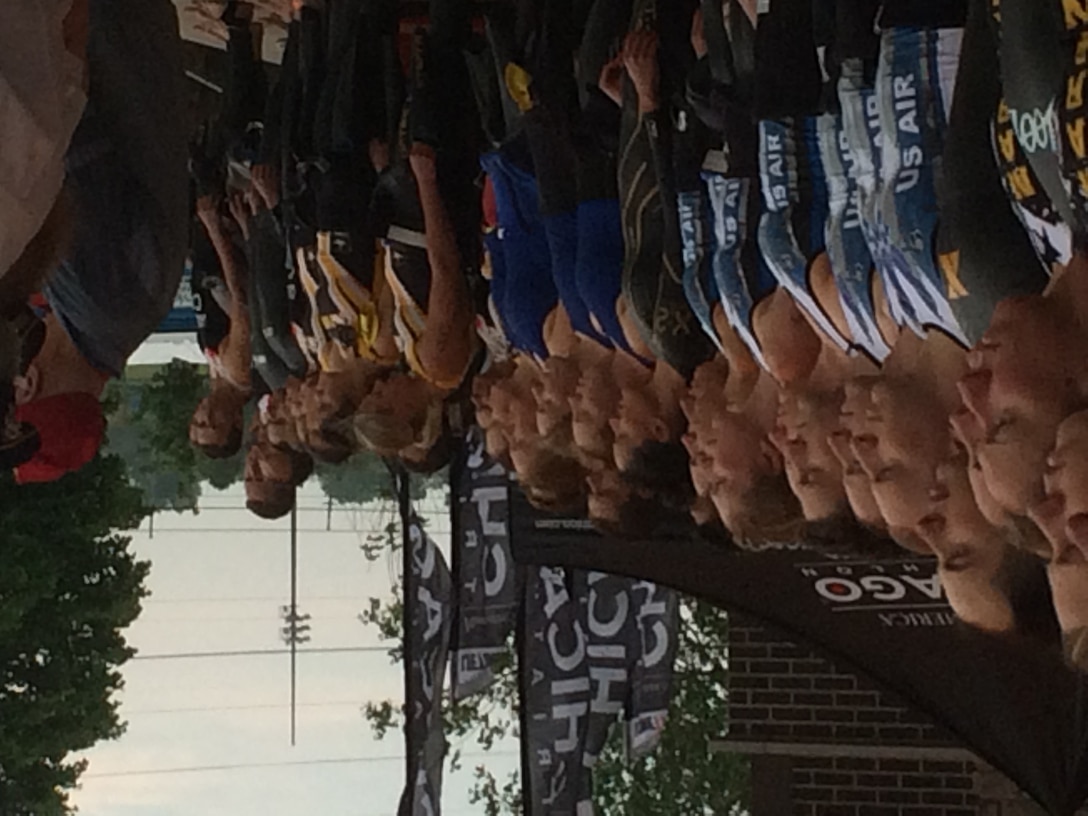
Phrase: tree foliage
(365, 478)
(149, 429)
(682, 776)
(68, 588)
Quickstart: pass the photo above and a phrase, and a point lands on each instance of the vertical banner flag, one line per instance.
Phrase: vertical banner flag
(613, 646)
(555, 693)
(427, 595)
(487, 593)
(658, 614)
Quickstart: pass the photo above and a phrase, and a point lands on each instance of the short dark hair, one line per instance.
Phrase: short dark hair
(274, 506)
(843, 536)
(555, 483)
(642, 517)
(227, 449)
(663, 470)
(302, 466)
(330, 446)
(772, 518)
(1023, 581)
(438, 456)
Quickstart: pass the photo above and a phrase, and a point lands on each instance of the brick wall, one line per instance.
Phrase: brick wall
(784, 694)
(855, 786)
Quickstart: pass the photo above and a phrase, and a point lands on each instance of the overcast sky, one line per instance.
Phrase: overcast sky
(218, 580)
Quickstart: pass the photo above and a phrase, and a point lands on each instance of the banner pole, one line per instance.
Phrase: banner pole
(523, 719)
(402, 485)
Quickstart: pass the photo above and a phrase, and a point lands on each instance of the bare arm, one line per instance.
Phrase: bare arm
(446, 346)
(235, 350)
(225, 251)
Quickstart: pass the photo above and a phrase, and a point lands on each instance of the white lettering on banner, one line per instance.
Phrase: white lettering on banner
(423, 552)
(872, 120)
(1036, 130)
(616, 651)
(603, 679)
(931, 587)
(916, 620)
(572, 713)
(655, 638)
(423, 802)
(606, 629)
(494, 585)
(558, 784)
(570, 662)
(483, 498)
(906, 104)
(905, 95)
(652, 656)
(884, 588)
(433, 611)
(555, 590)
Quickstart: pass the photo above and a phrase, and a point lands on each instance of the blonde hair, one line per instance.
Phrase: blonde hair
(389, 434)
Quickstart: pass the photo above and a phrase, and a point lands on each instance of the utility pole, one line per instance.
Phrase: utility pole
(296, 627)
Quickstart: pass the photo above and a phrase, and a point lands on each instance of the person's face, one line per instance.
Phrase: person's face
(495, 442)
(637, 421)
(968, 575)
(553, 394)
(282, 432)
(859, 490)
(213, 422)
(806, 424)
(607, 494)
(954, 520)
(909, 422)
(790, 347)
(481, 400)
(702, 473)
(739, 455)
(968, 431)
(1066, 477)
(900, 446)
(1019, 387)
(265, 463)
(1067, 569)
(399, 394)
(706, 394)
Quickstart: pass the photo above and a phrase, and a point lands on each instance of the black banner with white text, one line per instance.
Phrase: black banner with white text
(428, 614)
(486, 591)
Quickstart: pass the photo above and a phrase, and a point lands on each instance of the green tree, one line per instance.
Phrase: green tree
(365, 478)
(682, 776)
(149, 429)
(68, 588)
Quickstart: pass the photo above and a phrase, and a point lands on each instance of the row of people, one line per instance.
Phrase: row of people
(731, 269)
(841, 255)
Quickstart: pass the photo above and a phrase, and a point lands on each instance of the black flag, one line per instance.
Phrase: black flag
(555, 693)
(427, 591)
(614, 647)
(658, 614)
(1011, 701)
(487, 592)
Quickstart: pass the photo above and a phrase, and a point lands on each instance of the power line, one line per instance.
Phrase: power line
(251, 707)
(242, 766)
(246, 766)
(255, 599)
(261, 653)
